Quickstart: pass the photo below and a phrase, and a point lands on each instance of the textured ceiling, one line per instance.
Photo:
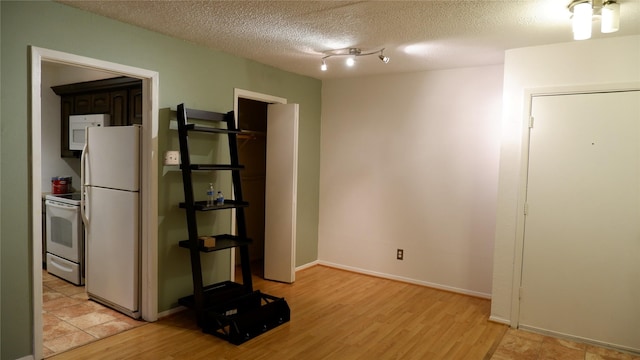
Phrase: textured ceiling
(417, 35)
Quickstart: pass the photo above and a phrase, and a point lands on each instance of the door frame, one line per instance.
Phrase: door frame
(529, 94)
(246, 94)
(149, 163)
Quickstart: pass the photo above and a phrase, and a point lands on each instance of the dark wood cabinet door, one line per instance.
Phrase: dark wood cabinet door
(81, 104)
(66, 107)
(98, 103)
(135, 106)
(101, 103)
(119, 108)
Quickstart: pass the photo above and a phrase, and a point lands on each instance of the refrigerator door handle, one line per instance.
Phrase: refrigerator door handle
(83, 188)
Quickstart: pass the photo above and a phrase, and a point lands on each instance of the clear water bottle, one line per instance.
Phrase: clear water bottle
(220, 198)
(210, 195)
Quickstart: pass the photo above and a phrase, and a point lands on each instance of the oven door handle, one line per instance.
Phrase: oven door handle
(58, 205)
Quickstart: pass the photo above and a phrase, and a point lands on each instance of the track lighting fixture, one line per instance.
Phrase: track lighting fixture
(352, 54)
(586, 11)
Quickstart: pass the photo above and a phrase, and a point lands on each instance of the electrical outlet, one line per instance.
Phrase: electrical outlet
(172, 158)
(400, 254)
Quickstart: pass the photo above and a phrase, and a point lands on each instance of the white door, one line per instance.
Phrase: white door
(281, 192)
(581, 257)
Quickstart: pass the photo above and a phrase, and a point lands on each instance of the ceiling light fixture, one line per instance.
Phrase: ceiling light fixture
(352, 54)
(586, 11)
(384, 59)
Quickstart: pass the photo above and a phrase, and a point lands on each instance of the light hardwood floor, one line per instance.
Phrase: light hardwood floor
(342, 315)
(334, 315)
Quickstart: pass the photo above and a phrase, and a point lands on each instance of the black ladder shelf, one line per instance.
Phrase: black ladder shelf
(229, 310)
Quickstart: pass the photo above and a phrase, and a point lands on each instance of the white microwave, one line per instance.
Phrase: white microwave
(78, 124)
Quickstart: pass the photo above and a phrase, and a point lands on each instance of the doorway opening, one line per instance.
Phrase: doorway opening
(268, 148)
(40, 59)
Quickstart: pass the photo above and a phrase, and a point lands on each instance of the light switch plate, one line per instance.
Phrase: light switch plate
(172, 158)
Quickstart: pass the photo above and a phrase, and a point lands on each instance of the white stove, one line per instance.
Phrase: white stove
(65, 237)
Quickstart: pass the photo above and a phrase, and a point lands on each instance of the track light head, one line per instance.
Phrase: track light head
(384, 59)
(351, 61)
(352, 54)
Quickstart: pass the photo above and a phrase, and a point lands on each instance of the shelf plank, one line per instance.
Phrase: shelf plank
(216, 167)
(205, 115)
(209, 129)
(225, 241)
(228, 204)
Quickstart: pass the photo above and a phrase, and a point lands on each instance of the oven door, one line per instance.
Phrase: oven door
(64, 231)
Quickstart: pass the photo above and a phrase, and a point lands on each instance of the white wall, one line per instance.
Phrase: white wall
(410, 161)
(52, 164)
(591, 64)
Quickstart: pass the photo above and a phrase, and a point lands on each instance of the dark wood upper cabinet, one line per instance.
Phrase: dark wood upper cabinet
(120, 97)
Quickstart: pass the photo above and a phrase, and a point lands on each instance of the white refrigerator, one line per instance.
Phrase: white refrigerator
(111, 214)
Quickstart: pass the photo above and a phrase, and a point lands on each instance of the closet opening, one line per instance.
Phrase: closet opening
(252, 152)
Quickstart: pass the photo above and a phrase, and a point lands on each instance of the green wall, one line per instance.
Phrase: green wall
(1, 96)
(200, 77)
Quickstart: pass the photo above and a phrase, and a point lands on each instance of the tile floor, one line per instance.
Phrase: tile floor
(524, 345)
(70, 319)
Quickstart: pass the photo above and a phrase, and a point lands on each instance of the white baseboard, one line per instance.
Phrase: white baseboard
(500, 320)
(376, 274)
(28, 357)
(407, 280)
(171, 311)
(307, 265)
